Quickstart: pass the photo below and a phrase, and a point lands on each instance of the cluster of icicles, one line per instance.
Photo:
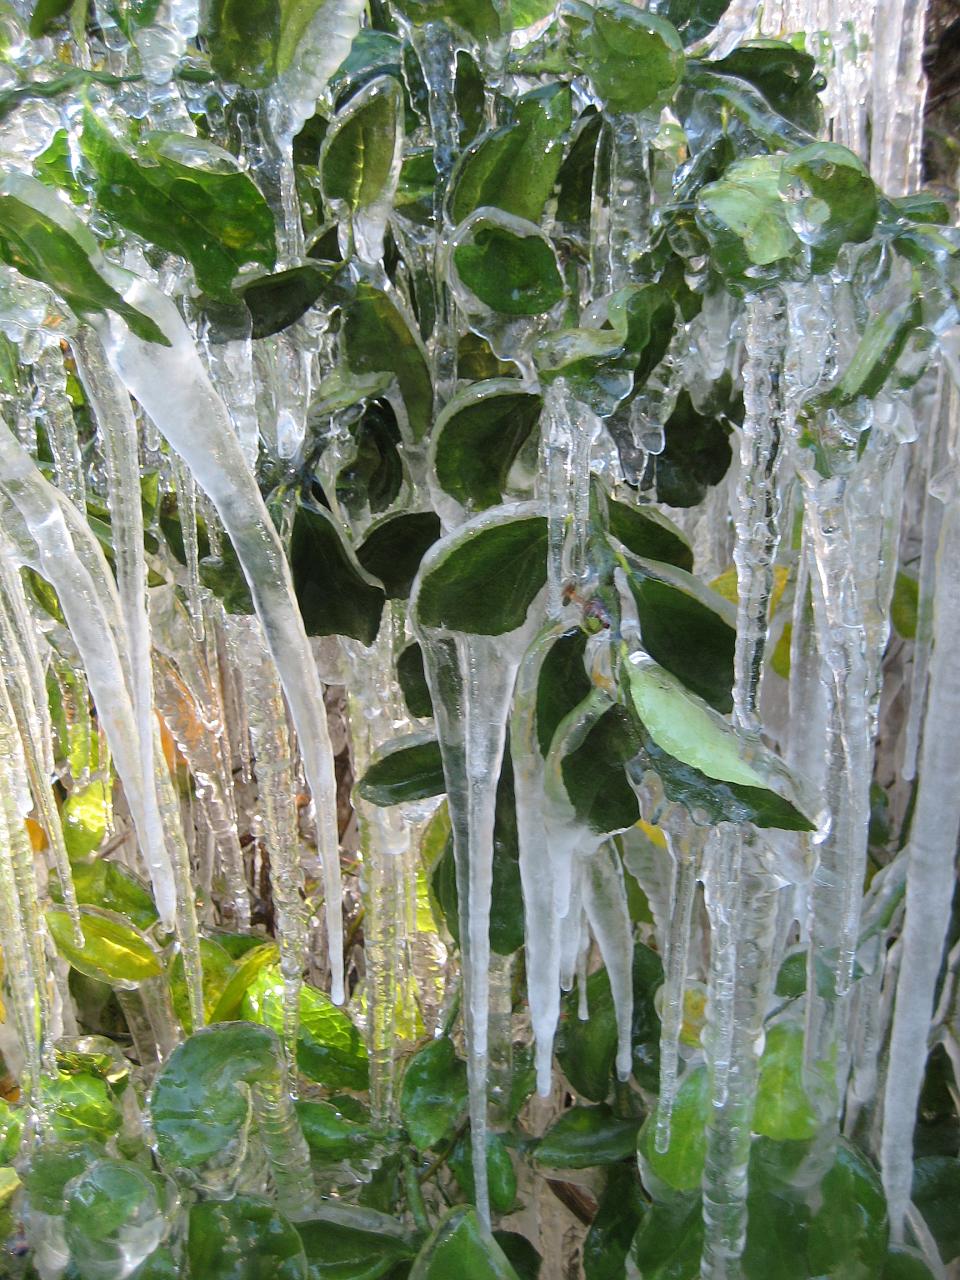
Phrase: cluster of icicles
(254, 684)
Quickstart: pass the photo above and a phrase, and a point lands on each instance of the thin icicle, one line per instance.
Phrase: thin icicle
(629, 195)
(51, 380)
(605, 903)
(18, 967)
(934, 833)
(187, 511)
(174, 390)
(684, 847)
(569, 430)
(278, 817)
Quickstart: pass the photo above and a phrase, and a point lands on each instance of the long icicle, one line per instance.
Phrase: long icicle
(171, 385)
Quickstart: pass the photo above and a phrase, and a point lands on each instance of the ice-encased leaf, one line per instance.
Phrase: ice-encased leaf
(335, 594)
(696, 454)
(783, 1110)
(113, 951)
(506, 263)
(185, 195)
(407, 768)
(645, 532)
(592, 746)
(744, 217)
(693, 19)
(514, 168)
(501, 1175)
(460, 1246)
(376, 338)
(245, 1236)
(786, 76)
(681, 1165)
(394, 547)
(278, 300)
(477, 437)
(632, 59)
(335, 1250)
(360, 155)
(587, 1136)
(837, 201)
(45, 240)
(433, 1093)
(563, 684)
(413, 681)
(483, 577)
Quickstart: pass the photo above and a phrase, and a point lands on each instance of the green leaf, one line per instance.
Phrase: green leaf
(224, 576)
(587, 1136)
(359, 162)
(376, 338)
(936, 1193)
(686, 627)
(647, 533)
(777, 1221)
(243, 1239)
(501, 1175)
(331, 1136)
(520, 1253)
(50, 1168)
(483, 20)
(45, 14)
(336, 1251)
(905, 1264)
(833, 199)
(586, 1050)
(698, 755)
(477, 437)
(413, 681)
(242, 38)
(11, 1130)
(848, 1234)
(645, 1028)
(114, 950)
(507, 264)
(744, 217)
(374, 476)
(563, 684)
(185, 195)
(618, 1215)
(693, 19)
(45, 240)
(335, 594)
(514, 168)
(84, 817)
(279, 300)
(218, 968)
(433, 1093)
(406, 768)
(393, 548)
(783, 1110)
(330, 1049)
(786, 76)
(461, 1247)
(633, 60)
(592, 745)
(669, 1240)
(905, 606)
(249, 964)
(81, 1108)
(106, 1207)
(483, 577)
(681, 1165)
(695, 457)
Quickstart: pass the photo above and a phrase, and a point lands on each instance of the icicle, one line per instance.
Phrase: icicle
(605, 903)
(18, 967)
(172, 387)
(278, 817)
(684, 847)
(629, 195)
(744, 897)
(471, 680)
(51, 380)
(899, 91)
(436, 49)
(69, 556)
(934, 832)
(187, 511)
(569, 430)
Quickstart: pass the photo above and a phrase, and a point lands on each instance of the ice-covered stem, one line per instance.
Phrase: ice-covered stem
(471, 680)
(171, 385)
(934, 832)
(273, 760)
(605, 904)
(568, 431)
(685, 845)
(50, 378)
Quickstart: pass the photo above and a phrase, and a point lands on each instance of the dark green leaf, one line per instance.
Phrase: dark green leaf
(562, 686)
(407, 768)
(483, 577)
(905, 1264)
(478, 436)
(336, 596)
(936, 1193)
(645, 1028)
(507, 264)
(587, 1136)
(330, 1049)
(785, 75)
(377, 339)
(242, 37)
(277, 301)
(669, 1240)
(393, 548)
(777, 1224)
(520, 1253)
(647, 533)
(331, 1136)
(336, 1251)
(687, 628)
(681, 1165)
(833, 199)
(461, 1247)
(515, 167)
(114, 950)
(483, 20)
(433, 1093)
(358, 163)
(501, 1175)
(185, 195)
(42, 238)
(586, 1050)
(469, 97)
(374, 476)
(632, 59)
(696, 454)
(243, 1239)
(618, 1215)
(224, 576)
(45, 14)
(693, 19)
(413, 681)
(848, 1234)
(593, 745)
(575, 179)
